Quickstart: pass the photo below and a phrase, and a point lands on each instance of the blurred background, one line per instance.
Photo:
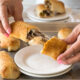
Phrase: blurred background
(68, 3)
(73, 5)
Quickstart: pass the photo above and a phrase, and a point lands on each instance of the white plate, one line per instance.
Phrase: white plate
(36, 20)
(31, 60)
(31, 13)
(45, 76)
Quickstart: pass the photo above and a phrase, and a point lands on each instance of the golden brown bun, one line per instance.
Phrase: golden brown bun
(41, 7)
(49, 2)
(39, 10)
(21, 29)
(42, 11)
(58, 7)
(10, 43)
(37, 41)
(54, 47)
(8, 68)
(64, 32)
(55, 6)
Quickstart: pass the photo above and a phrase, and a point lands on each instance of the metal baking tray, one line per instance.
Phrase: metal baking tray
(51, 29)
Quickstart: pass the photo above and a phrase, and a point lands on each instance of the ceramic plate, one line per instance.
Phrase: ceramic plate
(45, 76)
(31, 60)
(36, 20)
(32, 14)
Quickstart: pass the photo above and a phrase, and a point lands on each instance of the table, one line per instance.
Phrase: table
(52, 29)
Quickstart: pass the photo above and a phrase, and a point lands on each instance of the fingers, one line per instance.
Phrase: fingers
(73, 36)
(75, 48)
(3, 31)
(18, 12)
(72, 59)
(4, 19)
(18, 17)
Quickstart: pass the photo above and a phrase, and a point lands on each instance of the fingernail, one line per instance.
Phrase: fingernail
(59, 61)
(7, 35)
(8, 30)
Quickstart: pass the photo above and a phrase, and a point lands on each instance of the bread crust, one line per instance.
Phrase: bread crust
(64, 33)
(37, 41)
(8, 68)
(54, 47)
(9, 43)
(43, 12)
(20, 30)
(41, 7)
(55, 6)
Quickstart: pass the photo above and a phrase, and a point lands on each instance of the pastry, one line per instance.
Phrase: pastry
(37, 40)
(8, 68)
(43, 12)
(57, 7)
(24, 31)
(9, 43)
(54, 47)
(64, 32)
(48, 3)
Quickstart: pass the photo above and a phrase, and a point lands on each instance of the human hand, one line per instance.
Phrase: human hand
(9, 8)
(71, 55)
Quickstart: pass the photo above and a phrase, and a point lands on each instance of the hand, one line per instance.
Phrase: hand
(9, 8)
(72, 55)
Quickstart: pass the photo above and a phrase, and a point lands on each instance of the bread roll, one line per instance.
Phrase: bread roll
(37, 41)
(64, 33)
(57, 7)
(8, 68)
(43, 12)
(24, 31)
(54, 47)
(48, 3)
(9, 43)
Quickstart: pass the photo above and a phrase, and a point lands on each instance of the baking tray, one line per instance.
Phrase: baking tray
(51, 29)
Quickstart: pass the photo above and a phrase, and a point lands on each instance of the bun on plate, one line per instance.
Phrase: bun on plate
(43, 12)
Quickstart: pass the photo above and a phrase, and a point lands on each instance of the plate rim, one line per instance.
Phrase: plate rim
(45, 76)
(28, 69)
(36, 20)
(31, 8)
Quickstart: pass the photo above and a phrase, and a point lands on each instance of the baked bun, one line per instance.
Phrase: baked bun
(9, 43)
(43, 12)
(64, 32)
(24, 31)
(57, 7)
(37, 40)
(54, 47)
(8, 68)
(48, 3)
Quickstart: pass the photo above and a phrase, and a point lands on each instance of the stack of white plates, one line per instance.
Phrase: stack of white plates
(32, 15)
(31, 62)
